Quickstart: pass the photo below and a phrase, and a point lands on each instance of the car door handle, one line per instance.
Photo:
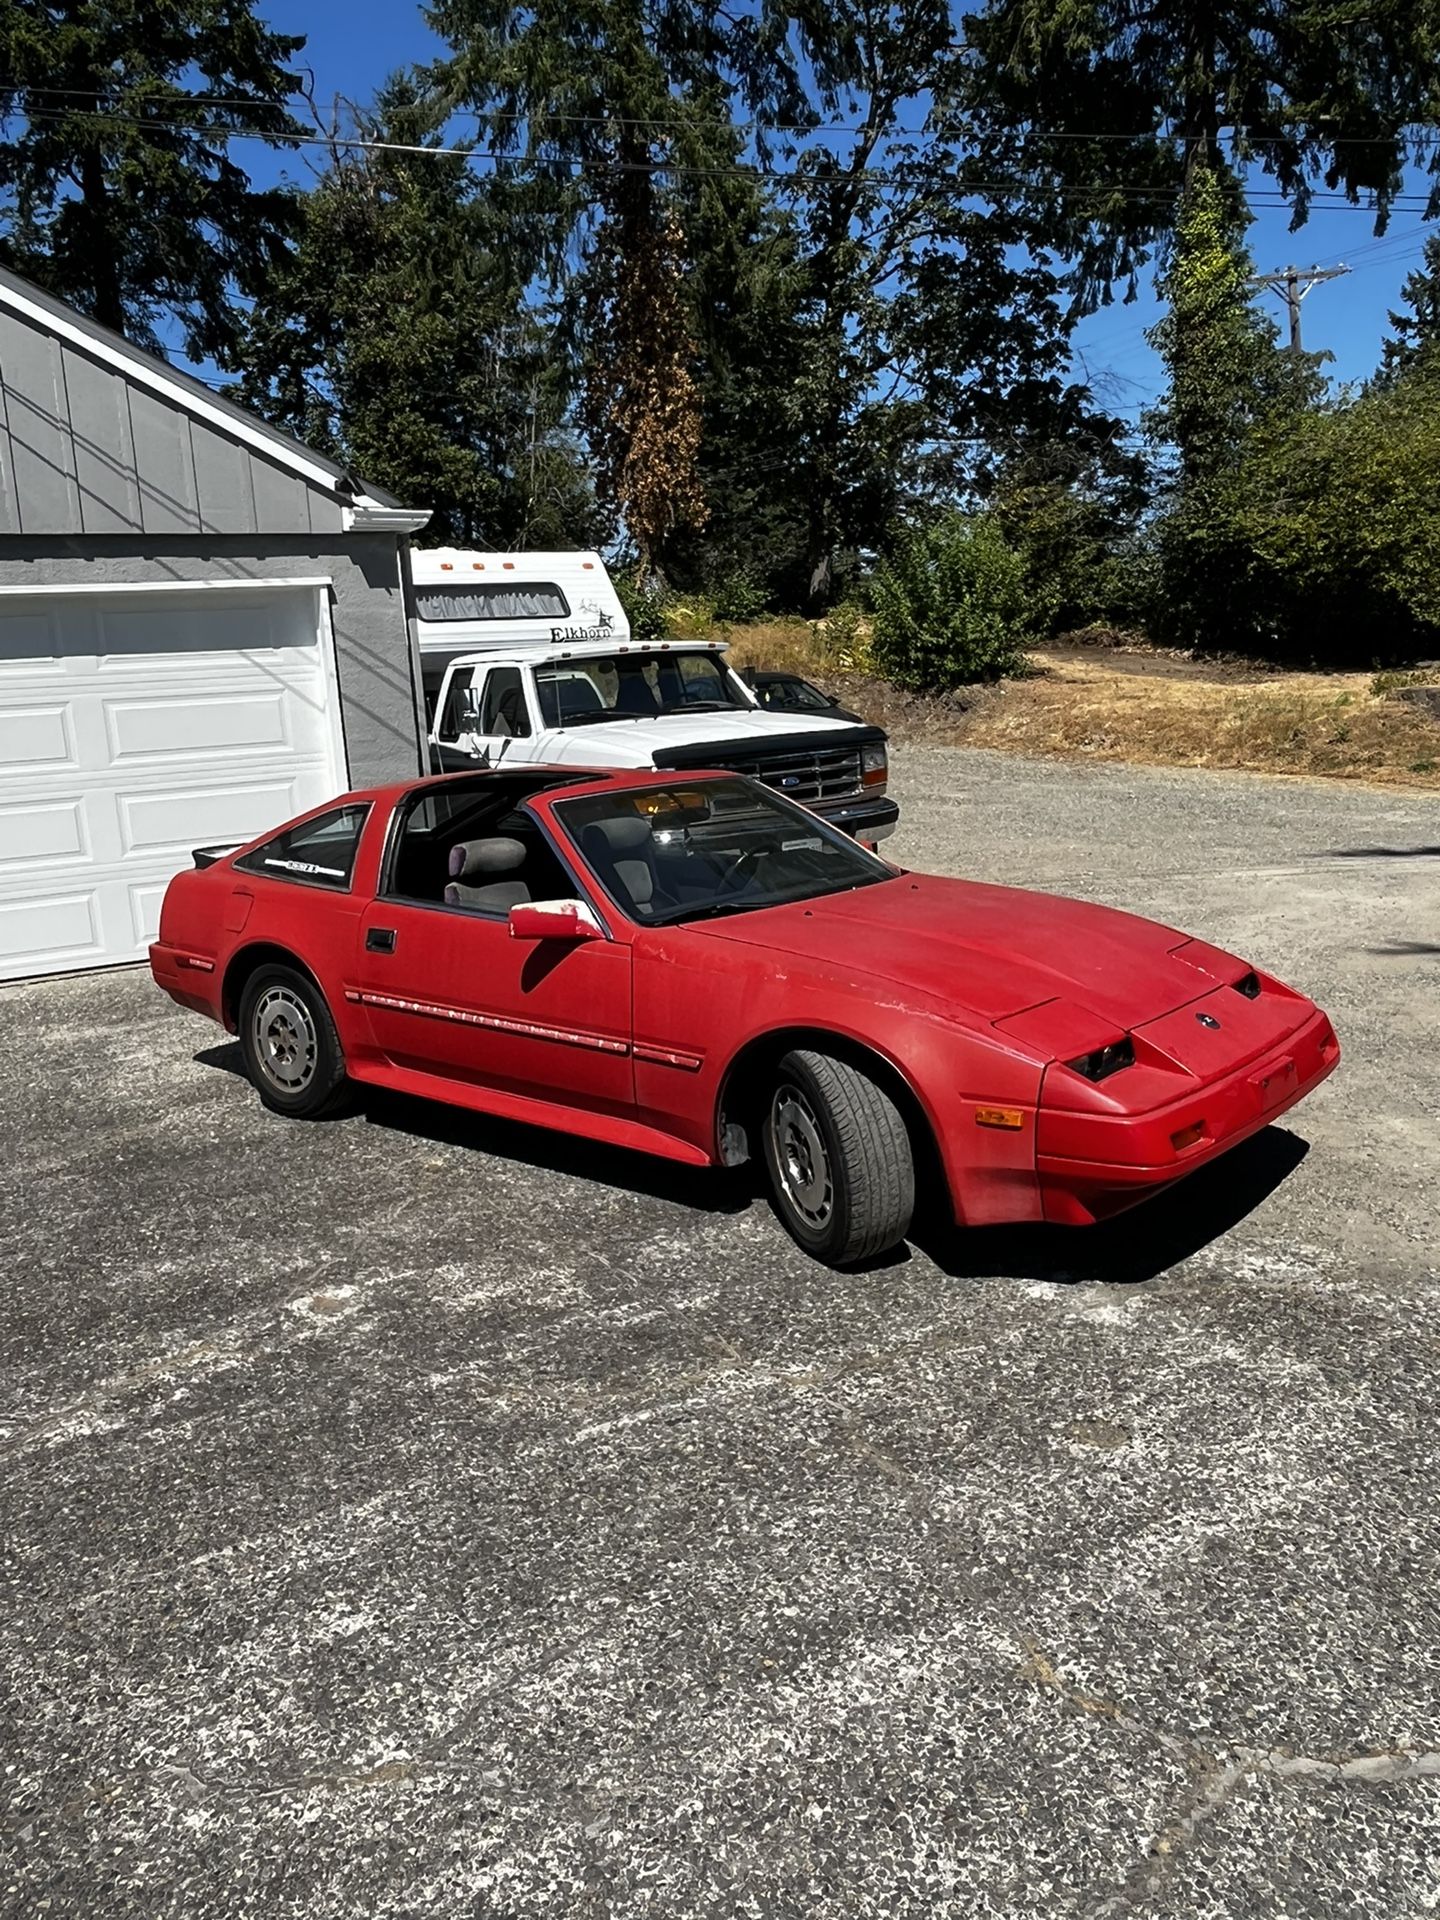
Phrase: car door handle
(379, 939)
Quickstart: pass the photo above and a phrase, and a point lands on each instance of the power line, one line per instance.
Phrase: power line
(791, 177)
(1419, 135)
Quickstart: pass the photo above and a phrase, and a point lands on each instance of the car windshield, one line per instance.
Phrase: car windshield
(699, 849)
(793, 693)
(580, 692)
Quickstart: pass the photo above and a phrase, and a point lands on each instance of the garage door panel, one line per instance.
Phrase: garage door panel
(33, 737)
(219, 625)
(176, 821)
(54, 931)
(25, 636)
(143, 729)
(41, 832)
(147, 731)
(145, 902)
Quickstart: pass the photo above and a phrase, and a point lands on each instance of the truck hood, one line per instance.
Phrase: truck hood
(992, 951)
(633, 743)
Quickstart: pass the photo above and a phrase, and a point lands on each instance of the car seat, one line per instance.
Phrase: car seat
(485, 861)
(622, 852)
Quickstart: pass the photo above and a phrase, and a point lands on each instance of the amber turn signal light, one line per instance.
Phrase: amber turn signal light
(1012, 1118)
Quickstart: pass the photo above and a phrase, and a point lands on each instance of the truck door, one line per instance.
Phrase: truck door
(485, 713)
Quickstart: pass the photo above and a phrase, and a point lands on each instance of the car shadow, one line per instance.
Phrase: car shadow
(706, 1189)
(227, 1057)
(1135, 1246)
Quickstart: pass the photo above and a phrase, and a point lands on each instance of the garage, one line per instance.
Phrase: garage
(204, 628)
(134, 726)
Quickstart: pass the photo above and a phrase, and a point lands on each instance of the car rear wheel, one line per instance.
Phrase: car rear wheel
(292, 1051)
(838, 1153)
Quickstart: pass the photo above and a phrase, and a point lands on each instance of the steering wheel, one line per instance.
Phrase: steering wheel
(738, 870)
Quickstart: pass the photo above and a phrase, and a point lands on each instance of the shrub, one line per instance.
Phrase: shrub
(645, 609)
(949, 605)
(840, 640)
(737, 590)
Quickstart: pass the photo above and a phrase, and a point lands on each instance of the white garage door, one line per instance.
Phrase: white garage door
(134, 727)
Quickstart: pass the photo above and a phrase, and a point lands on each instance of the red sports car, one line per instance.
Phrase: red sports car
(700, 968)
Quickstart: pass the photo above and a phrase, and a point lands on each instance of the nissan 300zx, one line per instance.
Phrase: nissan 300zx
(701, 969)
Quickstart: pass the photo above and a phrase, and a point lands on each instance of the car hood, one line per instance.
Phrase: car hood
(631, 743)
(993, 951)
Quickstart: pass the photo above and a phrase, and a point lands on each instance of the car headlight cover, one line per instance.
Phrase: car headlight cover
(1104, 1061)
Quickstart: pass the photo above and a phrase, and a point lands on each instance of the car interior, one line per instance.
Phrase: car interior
(476, 847)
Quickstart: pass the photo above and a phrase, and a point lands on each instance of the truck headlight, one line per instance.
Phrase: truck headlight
(874, 768)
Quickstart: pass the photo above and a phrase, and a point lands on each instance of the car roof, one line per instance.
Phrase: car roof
(572, 778)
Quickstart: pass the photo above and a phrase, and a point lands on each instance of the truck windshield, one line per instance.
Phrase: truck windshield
(580, 692)
(700, 849)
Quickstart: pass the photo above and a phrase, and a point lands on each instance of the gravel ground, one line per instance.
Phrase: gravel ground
(417, 1517)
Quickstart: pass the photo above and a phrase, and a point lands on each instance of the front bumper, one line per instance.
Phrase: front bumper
(863, 818)
(1091, 1165)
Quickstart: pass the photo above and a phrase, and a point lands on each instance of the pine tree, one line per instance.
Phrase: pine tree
(398, 335)
(1415, 340)
(117, 189)
(1102, 112)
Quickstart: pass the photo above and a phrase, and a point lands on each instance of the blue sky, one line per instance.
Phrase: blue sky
(351, 48)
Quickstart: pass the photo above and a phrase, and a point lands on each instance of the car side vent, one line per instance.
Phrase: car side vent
(1249, 985)
(1105, 1060)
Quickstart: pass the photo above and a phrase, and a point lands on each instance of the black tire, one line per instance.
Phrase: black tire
(842, 1173)
(288, 1039)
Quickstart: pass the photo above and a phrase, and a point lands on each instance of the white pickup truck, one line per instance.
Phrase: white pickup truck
(627, 703)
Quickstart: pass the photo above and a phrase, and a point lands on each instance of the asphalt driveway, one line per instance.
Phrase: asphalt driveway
(411, 1516)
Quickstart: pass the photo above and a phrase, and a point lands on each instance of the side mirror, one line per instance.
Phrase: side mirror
(568, 920)
(470, 709)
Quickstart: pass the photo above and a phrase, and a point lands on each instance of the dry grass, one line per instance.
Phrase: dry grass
(1332, 725)
(793, 645)
(1160, 709)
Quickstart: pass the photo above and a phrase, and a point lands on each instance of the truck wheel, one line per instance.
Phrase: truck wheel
(838, 1153)
(292, 1051)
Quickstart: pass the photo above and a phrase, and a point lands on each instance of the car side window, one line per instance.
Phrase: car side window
(319, 852)
(503, 710)
(452, 716)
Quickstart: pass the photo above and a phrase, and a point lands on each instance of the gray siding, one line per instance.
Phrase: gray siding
(85, 450)
(380, 701)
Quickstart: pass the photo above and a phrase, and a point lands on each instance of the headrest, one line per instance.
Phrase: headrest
(497, 855)
(624, 834)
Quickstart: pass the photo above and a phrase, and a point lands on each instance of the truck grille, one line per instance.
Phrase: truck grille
(819, 773)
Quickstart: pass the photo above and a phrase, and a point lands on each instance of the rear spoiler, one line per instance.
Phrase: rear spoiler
(207, 856)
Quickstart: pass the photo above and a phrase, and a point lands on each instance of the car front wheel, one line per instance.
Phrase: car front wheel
(292, 1051)
(838, 1153)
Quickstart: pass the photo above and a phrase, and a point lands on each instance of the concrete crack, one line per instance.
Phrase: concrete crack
(1219, 1774)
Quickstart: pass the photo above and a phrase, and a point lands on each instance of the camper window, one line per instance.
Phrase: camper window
(534, 600)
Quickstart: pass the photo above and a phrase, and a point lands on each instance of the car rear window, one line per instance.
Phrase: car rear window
(320, 852)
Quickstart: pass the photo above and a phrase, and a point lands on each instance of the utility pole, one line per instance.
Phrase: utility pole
(1292, 284)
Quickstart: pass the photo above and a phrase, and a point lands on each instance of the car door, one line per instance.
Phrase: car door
(485, 718)
(450, 993)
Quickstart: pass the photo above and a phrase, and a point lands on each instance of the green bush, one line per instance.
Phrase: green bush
(950, 605)
(839, 639)
(645, 609)
(737, 591)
